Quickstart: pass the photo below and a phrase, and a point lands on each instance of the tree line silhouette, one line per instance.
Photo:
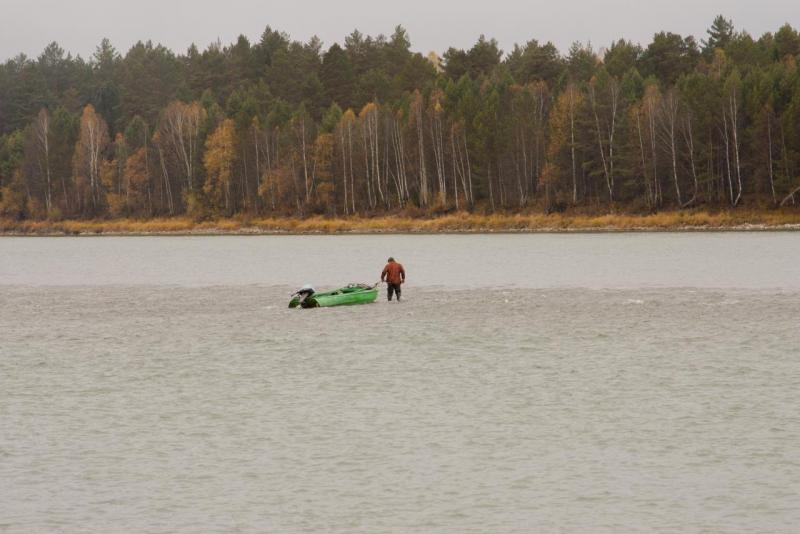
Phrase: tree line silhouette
(288, 128)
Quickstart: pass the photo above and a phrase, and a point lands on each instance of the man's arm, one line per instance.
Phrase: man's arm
(403, 273)
(383, 274)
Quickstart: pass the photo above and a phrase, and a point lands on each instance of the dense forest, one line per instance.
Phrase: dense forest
(286, 128)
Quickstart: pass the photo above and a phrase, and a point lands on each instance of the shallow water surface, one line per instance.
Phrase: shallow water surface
(568, 383)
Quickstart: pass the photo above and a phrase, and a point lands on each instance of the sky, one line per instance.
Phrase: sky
(27, 26)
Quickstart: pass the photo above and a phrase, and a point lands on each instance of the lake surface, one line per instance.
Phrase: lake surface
(614, 382)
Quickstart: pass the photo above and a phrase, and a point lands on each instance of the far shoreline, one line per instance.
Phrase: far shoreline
(461, 223)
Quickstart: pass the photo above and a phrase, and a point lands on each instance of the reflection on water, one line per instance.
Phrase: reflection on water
(156, 406)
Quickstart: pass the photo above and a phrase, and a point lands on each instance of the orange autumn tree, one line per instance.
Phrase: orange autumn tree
(136, 178)
(218, 161)
(561, 150)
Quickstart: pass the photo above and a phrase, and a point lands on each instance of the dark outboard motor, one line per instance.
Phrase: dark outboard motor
(303, 293)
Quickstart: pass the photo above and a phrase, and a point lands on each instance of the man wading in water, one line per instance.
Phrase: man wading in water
(394, 275)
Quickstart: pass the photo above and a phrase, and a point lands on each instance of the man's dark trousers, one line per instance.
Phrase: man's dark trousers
(393, 288)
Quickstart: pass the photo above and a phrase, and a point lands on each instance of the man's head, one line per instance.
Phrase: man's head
(391, 260)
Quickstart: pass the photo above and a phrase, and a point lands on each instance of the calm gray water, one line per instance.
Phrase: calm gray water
(632, 382)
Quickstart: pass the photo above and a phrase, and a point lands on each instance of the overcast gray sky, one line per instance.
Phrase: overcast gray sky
(78, 25)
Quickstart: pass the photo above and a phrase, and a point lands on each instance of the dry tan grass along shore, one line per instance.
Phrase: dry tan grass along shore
(461, 222)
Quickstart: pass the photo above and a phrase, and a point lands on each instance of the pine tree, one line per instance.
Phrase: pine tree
(720, 35)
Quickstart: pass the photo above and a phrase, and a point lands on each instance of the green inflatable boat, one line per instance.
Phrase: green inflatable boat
(345, 296)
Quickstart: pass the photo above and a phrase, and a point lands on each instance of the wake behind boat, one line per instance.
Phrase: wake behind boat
(351, 294)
